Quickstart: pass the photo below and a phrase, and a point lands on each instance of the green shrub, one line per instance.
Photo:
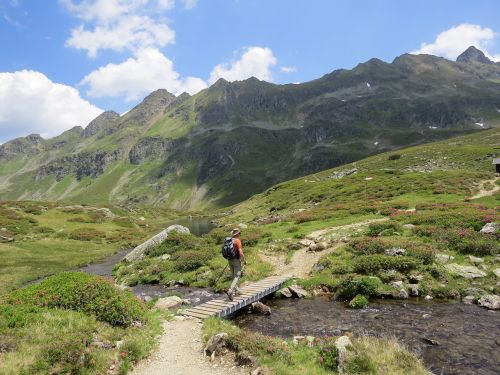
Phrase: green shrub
(177, 242)
(367, 245)
(358, 302)
(328, 352)
(82, 292)
(349, 288)
(383, 228)
(304, 217)
(394, 157)
(372, 264)
(86, 234)
(217, 235)
(191, 259)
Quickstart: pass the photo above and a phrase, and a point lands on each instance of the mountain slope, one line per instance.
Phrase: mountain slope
(232, 140)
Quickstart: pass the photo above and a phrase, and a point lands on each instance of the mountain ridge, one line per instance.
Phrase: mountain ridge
(235, 139)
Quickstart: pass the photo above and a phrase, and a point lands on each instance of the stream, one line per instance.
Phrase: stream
(452, 338)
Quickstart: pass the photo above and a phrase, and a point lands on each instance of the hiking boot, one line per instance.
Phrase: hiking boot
(230, 296)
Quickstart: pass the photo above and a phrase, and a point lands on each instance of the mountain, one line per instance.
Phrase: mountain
(472, 54)
(231, 140)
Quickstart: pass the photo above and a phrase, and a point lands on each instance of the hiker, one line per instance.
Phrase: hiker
(235, 261)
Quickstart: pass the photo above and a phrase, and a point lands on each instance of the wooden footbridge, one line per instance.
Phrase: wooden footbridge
(248, 294)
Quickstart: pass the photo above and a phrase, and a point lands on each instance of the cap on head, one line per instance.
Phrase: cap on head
(235, 232)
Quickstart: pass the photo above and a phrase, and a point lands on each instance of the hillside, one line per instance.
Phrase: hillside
(232, 140)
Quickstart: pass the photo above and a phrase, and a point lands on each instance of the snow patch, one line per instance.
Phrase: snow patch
(368, 85)
(498, 109)
(479, 124)
(375, 143)
(433, 127)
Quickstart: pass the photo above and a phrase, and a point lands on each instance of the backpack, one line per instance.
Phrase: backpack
(228, 250)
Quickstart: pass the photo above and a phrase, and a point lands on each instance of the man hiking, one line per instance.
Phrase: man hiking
(235, 264)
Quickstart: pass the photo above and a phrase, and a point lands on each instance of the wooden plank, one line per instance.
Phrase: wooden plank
(204, 310)
(215, 303)
(196, 315)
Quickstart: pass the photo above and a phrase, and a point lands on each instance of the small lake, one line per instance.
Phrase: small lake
(197, 225)
(468, 336)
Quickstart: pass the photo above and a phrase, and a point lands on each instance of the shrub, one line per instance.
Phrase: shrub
(358, 302)
(82, 292)
(367, 245)
(86, 234)
(176, 242)
(304, 217)
(383, 228)
(191, 259)
(394, 157)
(217, 235)
(328, 353)
(349, 288)
(372, 264)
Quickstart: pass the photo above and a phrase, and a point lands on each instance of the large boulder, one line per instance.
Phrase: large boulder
(490, 301)
(139, 251)
(490, 228)
(468, 272)
(285, 292)
(298, 291)
(215, 344)
(443, 258)
(170, 302)
(260, 308)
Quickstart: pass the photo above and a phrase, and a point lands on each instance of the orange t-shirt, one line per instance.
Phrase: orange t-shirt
(238, 246)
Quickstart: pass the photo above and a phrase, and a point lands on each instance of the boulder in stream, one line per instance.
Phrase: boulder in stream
(285, 292)
(260, 308)
(170, 302)
(298, 291)
(490, 301)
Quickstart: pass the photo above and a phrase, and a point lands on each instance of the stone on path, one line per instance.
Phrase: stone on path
(490, 301)
(468, 272)
(140, 250)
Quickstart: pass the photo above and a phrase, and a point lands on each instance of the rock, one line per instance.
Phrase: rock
(473, 291)
(490, 301)
(261, 371)
(415, 279)
(443, 258)
(298, 339)
(469, 300)
(119, 344)
(306, 242)
(310, 341)
(320, 267)
(475, 260)
(168, 302)
(298, 292)
(394, 251)
(468, 272)
(215, 344)
(165, 257)
(425, 316)
(396, 284)
(342, 343)
(428, 297)
(244, 358)
(242, 226)
(139, 251)
(142, 218)
(321, 245)
(409, 226)
(496, 271)
(313, 247)
(490, 228)
(147, 298)
(260, 308)
(430, 341)
(403, 294)
(285, 292)
(413, 289)
(341, 174)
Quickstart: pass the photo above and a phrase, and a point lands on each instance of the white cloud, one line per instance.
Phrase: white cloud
(147, 71)
(452, 42)
(119, 25)
(255, 61)
(288, 69)
(31, 103)
(190, 4)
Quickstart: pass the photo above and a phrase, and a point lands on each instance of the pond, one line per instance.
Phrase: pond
(451, 338)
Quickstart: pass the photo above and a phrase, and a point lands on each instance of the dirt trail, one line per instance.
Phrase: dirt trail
(181, 353)
(486, 193)
(303, 260)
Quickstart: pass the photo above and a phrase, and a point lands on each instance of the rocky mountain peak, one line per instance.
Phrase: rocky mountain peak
(102, 121)
(472, 54)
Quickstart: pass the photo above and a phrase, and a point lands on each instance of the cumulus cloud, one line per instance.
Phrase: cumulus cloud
(452, 42)
(31, 103)
(190, 4)
(255, 61)
(147, 71)
(119, 25)
(288, 69)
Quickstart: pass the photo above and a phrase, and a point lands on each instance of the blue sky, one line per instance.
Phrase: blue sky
(67, 60)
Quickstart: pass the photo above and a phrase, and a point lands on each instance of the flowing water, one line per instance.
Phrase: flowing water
(451, 338)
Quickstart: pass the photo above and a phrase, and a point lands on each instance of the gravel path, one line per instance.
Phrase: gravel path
(486, 193)
(181, 353)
